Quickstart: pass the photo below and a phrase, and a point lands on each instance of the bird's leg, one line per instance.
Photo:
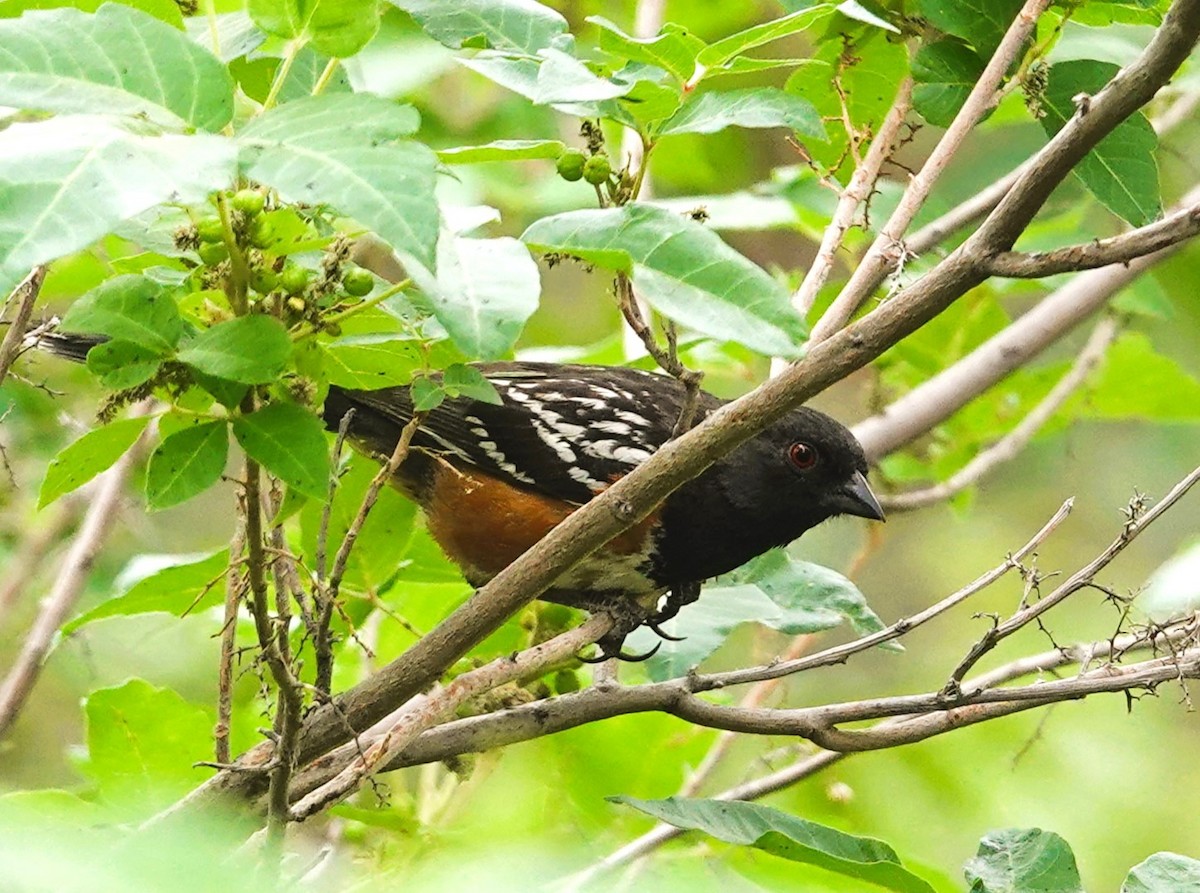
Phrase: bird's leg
(627, 615)
(680, 594)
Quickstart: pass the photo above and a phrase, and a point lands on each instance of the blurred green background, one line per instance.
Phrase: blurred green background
(1119, 781)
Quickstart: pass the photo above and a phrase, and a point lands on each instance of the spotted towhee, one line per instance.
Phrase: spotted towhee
(494, 479)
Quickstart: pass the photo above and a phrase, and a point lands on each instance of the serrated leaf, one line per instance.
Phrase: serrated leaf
(186, 463)
(562, 78)
(69, 180)
(142, 743)
(66, 61)
(344, 150)
(524, 26)
(427, 394)
(338, 28)
(1122, 170)
(1164, 873)
(131, 308)
(1018, 860)
(758, 107)
(981, 23)
(82, 460)
(182, 585)
(123, 364)
(674, 50)
(735, 44)
(787, 836)
(249, 350)
(237, 35)
(944, 73)
(683, 270)
(289, 442)
(503, 150)
(484, 292)
(369, 362)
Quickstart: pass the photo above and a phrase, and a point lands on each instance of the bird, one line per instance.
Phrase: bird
(493, 478)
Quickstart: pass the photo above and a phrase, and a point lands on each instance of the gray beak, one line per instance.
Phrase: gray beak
(857, 499)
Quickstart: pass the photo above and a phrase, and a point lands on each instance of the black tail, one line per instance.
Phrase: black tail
(68, 345)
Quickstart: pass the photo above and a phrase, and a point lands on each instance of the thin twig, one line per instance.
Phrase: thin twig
(1080, 579)
(29, 554)
(887, 249)
(1009, 446)
(441, 705)
(25, 295)
(329, 595)
(68, 584)
(235, 588)
(857, 191)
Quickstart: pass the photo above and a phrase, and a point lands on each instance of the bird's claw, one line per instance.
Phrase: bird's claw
(607, 653)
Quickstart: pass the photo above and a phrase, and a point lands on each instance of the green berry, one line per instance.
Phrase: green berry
(293, 279)
(597, 170)
(570, 164)
(264, 281)
(212, 253)
(249, 201)
(210, 229)
(261, 232)
(358, 282)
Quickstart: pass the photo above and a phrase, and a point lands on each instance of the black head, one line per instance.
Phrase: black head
(813, 463)
(799, 472)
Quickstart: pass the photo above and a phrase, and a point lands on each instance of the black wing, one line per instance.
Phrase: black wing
(566, 431)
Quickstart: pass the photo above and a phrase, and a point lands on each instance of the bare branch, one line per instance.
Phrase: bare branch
(1015, 440)
(68, 584)
(441, 705)
(857, 191)
(25, 296)
(1178, 227)
(881, 257)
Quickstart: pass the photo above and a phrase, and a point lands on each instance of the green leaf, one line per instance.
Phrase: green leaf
(132, 309)
(674, 50)
(250, 350)
(120, 61)
(186, 463)
(55, 170)
(170, 584)
(944, 73)
(123, 364)
(338, 28)
(562, 78)
(1122, 170)
(758, 107)
(427, 394)
(82, 460)
(344, 150)
(1164, 873)
(289, 442)
(774, 590)
(735, 44)
(142, 743)
(869, 69)
(1137, 382)
(484, 292)
(524, 26)
(981, 23)
(503, 150)
(683, 269)
(461, 380)
(368, 362)
(788, 836)
(385, 535)
(1020, 860)
(237, 35)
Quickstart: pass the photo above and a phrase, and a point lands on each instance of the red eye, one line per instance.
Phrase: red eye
(802, 455)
